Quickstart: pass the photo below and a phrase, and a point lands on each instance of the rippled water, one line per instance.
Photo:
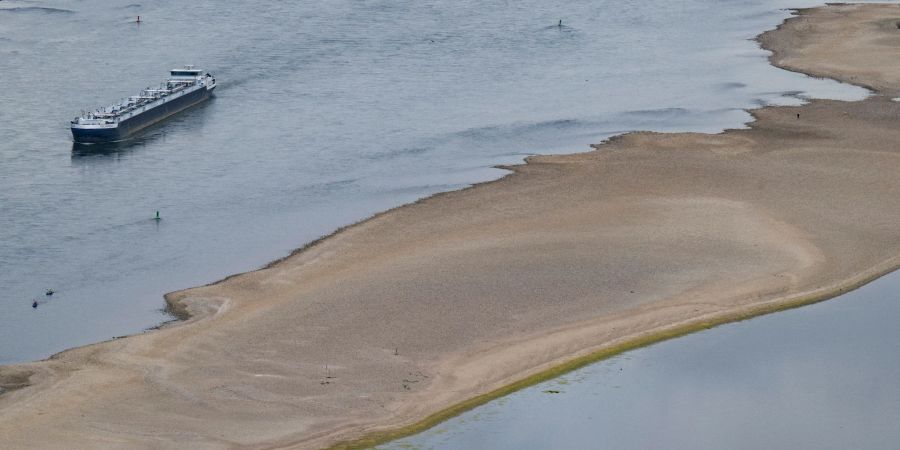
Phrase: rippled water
(327, 112)
(822, 376)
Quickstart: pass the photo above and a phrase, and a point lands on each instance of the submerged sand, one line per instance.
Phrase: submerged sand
(431, 304)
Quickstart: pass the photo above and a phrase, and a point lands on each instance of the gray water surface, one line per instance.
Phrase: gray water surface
(326, 113)
(825, 376)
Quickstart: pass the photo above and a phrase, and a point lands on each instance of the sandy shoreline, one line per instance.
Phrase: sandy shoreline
(465, 293)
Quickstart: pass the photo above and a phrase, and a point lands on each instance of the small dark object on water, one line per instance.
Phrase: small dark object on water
(798, 115)
(138, 20)
(551, 391)
(897, 23)
(560, 23)
(157, 216)
(49, 292)
(34, 304)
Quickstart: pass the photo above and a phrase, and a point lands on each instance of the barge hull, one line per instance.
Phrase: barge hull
(128, 127)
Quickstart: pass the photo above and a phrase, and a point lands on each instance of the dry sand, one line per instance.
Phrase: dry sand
(434, 303)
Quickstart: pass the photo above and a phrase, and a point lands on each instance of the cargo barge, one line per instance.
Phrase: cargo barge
(184, 88)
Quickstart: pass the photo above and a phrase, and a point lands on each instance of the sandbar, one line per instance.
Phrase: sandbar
(459, 296)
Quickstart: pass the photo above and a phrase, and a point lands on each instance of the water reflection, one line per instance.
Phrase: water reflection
(107, 151)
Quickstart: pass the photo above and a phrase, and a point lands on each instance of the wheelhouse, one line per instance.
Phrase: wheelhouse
(185, 73)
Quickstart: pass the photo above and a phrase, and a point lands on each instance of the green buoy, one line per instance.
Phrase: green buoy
(157, 216)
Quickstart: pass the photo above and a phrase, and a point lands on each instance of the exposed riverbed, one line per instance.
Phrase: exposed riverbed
(822, 376)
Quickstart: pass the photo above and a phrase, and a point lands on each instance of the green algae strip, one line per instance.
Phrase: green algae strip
(383, 437)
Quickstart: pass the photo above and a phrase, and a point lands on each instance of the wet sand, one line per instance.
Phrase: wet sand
(432, 304)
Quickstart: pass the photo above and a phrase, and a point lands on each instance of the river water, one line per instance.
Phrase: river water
(823, 376)
(326, 113)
